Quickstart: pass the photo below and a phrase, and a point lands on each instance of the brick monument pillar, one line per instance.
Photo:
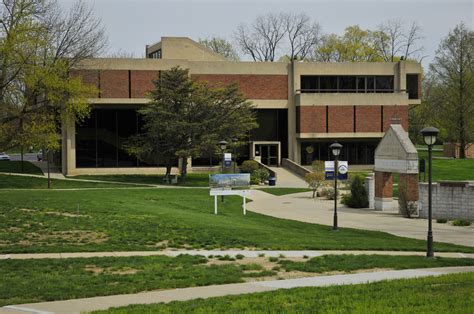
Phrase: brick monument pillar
(408, 184)
(383, 190)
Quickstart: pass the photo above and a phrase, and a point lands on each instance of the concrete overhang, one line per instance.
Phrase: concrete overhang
(351, 99)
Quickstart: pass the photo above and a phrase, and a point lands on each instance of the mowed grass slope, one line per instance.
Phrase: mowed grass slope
(151, 219)
(15, 167)
(25, 182)
(192, 179)
(26, 281)
(444, 294)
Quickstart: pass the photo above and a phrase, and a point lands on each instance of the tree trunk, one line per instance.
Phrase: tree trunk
(314, 193)
(184, 166)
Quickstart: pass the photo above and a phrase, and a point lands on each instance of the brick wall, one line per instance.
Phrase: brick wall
(400, 112)
(252, 86)
(312, 119)
(383, 184)
(88, 77)
(341, 119)
(368, 119)
(114, 84)
(142, 83)
(408, 182)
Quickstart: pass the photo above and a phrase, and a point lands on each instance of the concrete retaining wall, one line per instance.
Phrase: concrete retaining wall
(294, 167)
(451, 200)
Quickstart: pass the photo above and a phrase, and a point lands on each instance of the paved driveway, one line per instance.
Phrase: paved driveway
(302, 207)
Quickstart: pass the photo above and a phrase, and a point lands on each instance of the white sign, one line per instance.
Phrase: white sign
(228, 157)
(342, 166)
(217, 192)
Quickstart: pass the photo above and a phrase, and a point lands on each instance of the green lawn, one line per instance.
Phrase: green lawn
(150, 219)
(284, 191)
(62, 279)
(15, 167)
(192, 179)
(26, 281)
(443, 294)
(21, 182)
(350, 263)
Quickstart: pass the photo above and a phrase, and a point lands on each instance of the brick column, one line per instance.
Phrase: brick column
(383, 190)
(408, 184)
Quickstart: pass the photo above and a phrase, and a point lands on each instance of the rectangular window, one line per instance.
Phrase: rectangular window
(347, 84)
(370, 84)
(309, 84)
(412, 86)
(384, 84)
(361, 84)
(328, 84)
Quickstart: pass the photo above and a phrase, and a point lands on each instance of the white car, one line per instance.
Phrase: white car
(4, 156)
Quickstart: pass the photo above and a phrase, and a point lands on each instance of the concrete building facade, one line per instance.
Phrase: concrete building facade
(302, 107)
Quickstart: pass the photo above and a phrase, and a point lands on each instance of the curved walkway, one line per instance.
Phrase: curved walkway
(184, 294)
(302, 207)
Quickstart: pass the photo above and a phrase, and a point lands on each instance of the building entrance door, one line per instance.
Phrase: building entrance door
(269, 154)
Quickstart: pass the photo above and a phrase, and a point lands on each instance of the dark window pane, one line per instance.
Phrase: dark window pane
(370, 84)
(85, 142)
(127, 126)
(412, 86)
(328, 84)
(347, 84)
(309, 84)
(106, 138)
(361, 84)
(384, 84)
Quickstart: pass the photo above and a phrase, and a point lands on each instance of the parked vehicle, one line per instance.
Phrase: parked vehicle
(4, 156)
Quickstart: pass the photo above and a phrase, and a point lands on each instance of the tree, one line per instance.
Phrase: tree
(302, 34)
(392, 41)
(358, 197)
(39, 45)
(354, 46)
(262, 38)
(451, 79)
(221, 46)
(316, 178)
(185, 116)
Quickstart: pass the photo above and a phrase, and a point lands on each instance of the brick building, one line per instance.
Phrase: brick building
(302, 107)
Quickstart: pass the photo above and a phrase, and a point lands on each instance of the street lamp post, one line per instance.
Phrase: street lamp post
(336, 150)
(234, 141)
(429, 136)
(222, 146)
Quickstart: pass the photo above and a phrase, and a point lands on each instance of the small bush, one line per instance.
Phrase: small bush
(305, 256)
(276, 268)
(262, 174)
(281, 256)
(273, 259)
(461, 222)
(329, 192)
(358, 197)
(441, 221)
(226, 258)
(254, 179)
(261, 255)
(249, 166)
(239, 256)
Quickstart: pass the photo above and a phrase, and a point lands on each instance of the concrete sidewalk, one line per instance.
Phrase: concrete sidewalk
(233, 253)
(105, 302)
(302, 207)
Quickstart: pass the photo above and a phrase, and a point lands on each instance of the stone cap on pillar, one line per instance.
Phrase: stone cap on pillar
(396, 152)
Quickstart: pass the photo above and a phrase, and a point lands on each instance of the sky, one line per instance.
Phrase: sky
(131, 24)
